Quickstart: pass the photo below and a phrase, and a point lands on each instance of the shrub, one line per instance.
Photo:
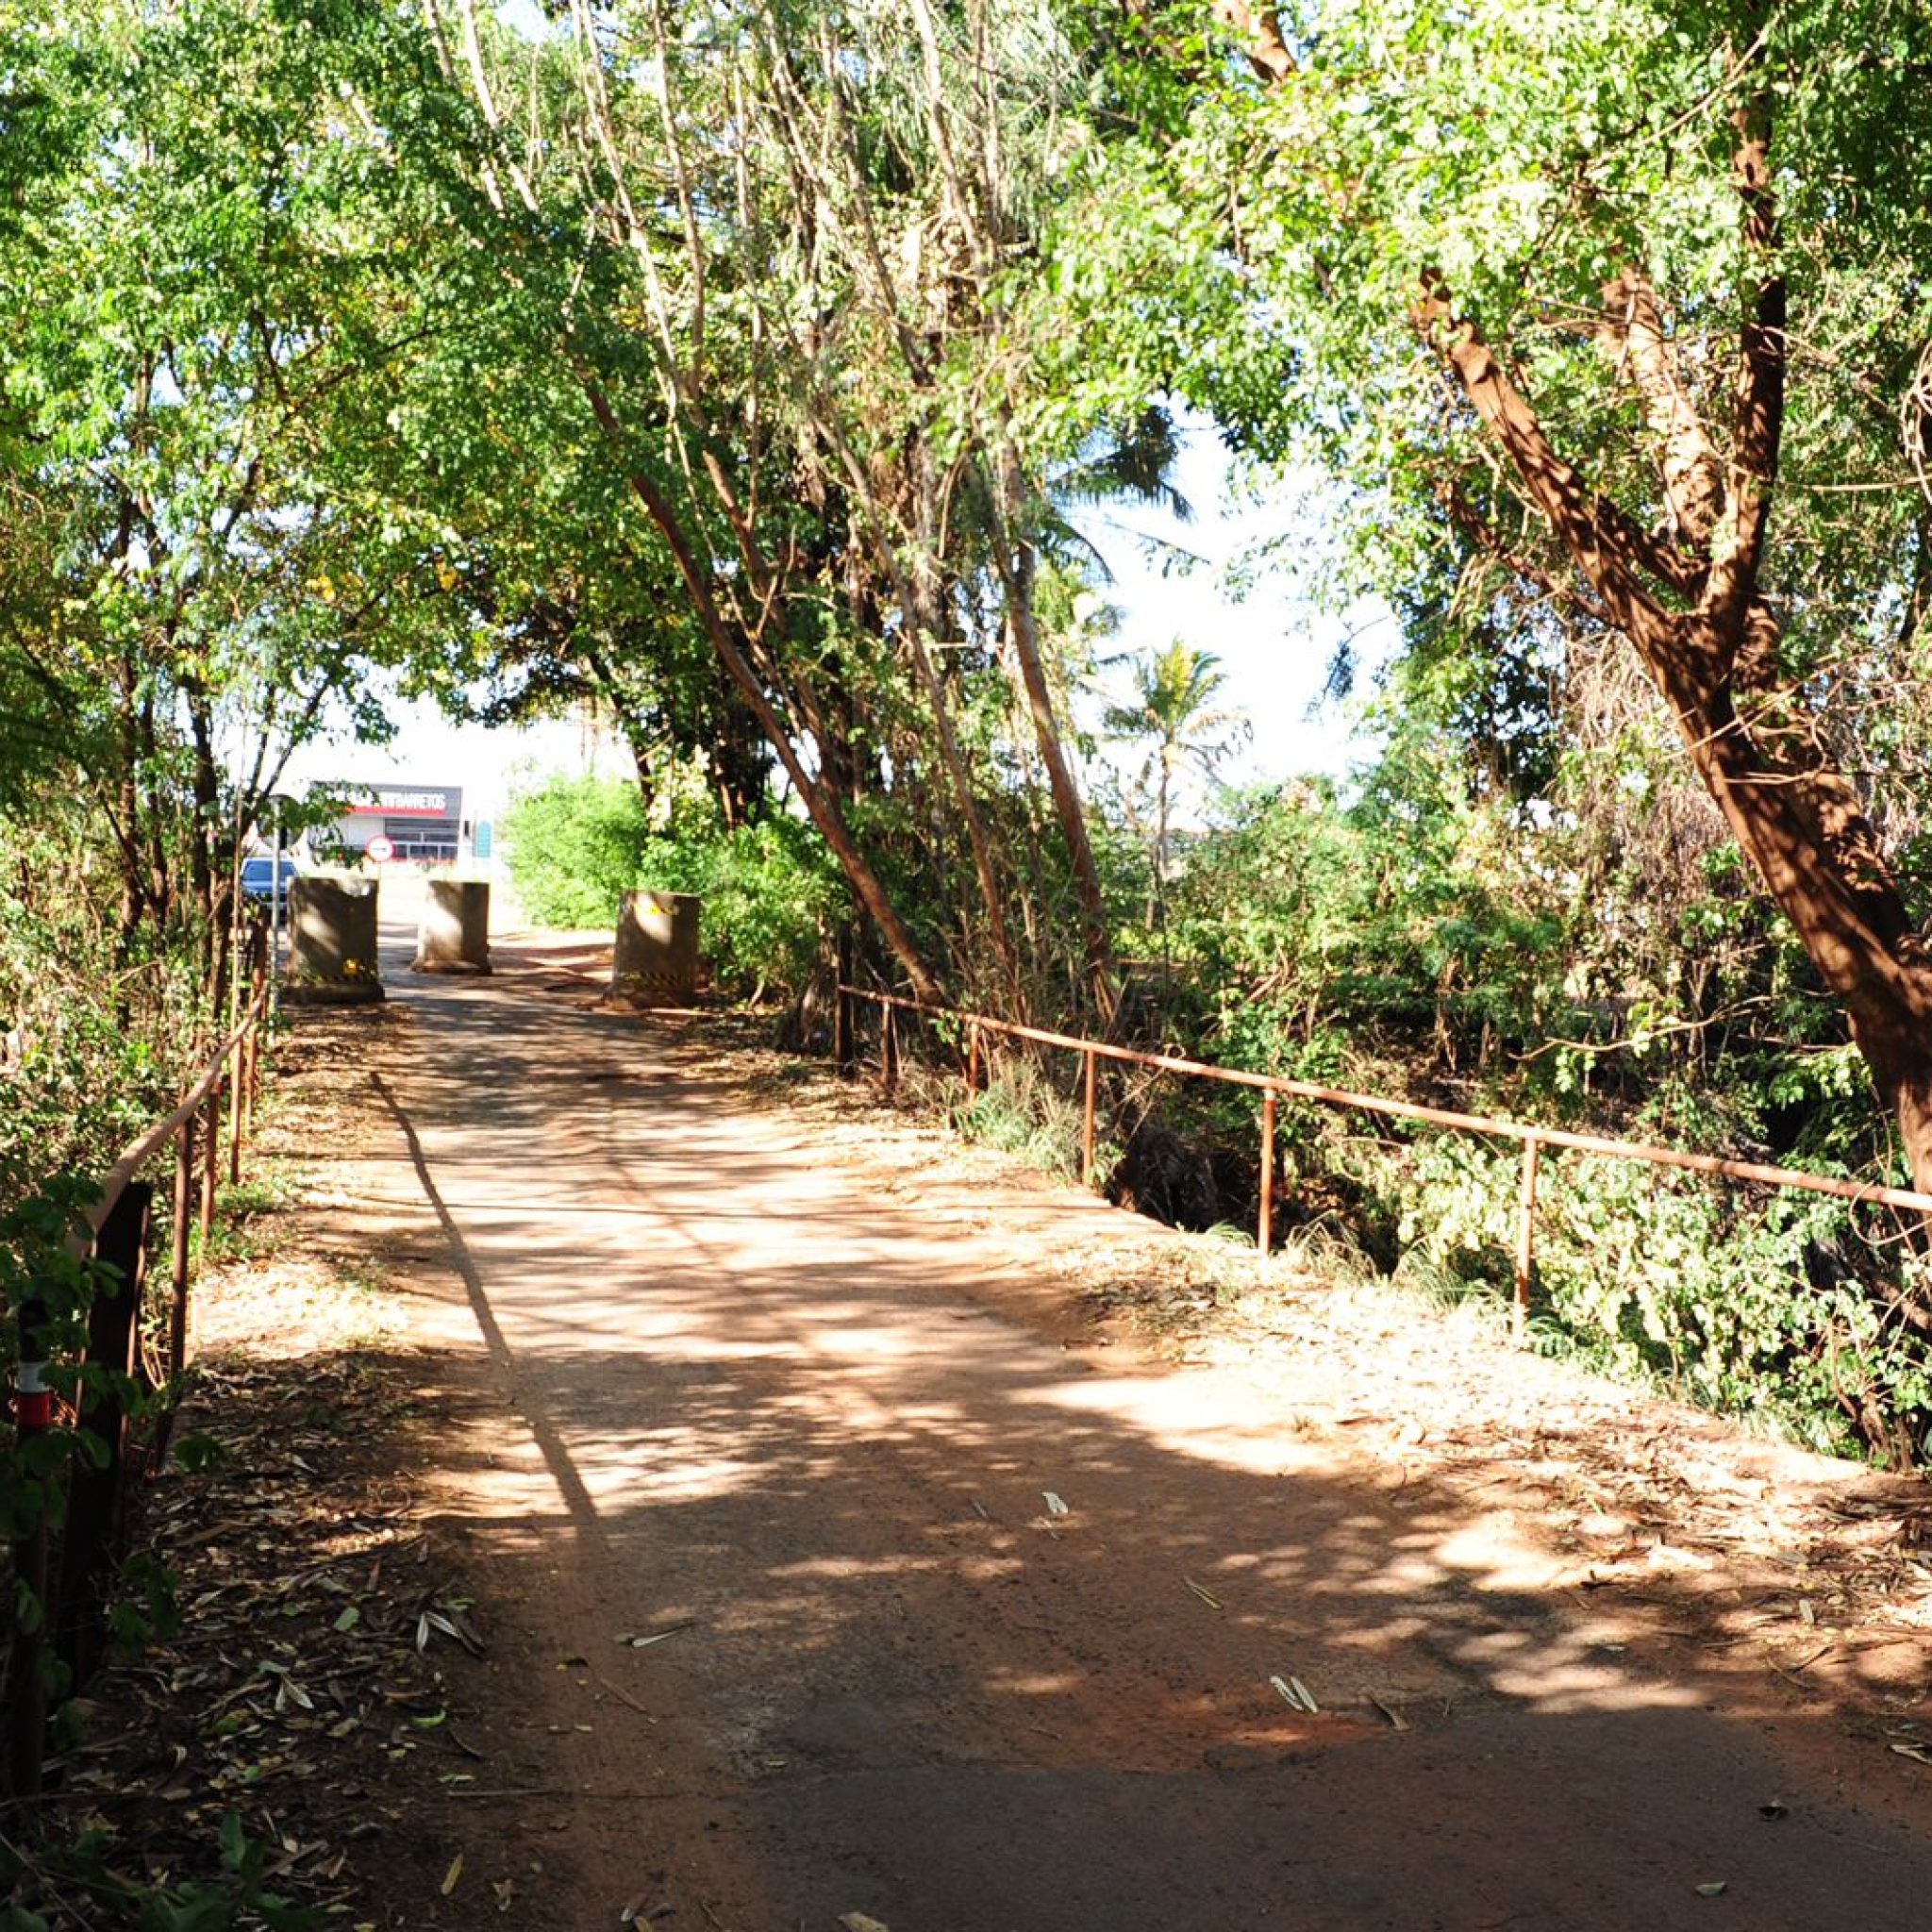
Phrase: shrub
(574, 847)
(769, 887)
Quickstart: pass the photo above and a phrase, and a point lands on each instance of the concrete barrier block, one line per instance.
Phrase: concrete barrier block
(332, 942)
(454, 935)
(656, 951)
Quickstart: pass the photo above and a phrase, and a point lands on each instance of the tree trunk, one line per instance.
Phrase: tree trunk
(204, 844)
(818, 802)
(919, 600)
(1016, 568)
(1805, 834)
(1800, 822)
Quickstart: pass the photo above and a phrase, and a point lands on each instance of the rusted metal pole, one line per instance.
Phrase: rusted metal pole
(973, 1051)
(1087, 1125)
(178, 1271)
(1264, 1232)
(1525, 1236)
(841, 1012)
(889, 1050)
(235, 1124)
(26, 1675)
(211, 1162)
(251, 1038)
(26, 1718)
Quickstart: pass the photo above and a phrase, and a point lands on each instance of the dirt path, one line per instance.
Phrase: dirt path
(966, 1627)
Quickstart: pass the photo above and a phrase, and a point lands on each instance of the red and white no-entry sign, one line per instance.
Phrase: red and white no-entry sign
(379, 850)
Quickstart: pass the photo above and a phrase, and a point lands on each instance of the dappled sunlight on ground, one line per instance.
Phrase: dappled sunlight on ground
(889, 1578)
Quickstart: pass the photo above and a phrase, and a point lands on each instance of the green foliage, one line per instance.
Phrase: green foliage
(223, 275)
(1420, 942)
(1711, 1291)
(574, 848)
(575, 845)
(60, 1878)
(770, 896)
(94, 1035)
(1309, 935)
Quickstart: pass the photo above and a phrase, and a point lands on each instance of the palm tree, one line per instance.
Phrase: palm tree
(1172, 708)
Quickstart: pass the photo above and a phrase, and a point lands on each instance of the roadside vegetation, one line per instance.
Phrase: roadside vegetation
(745, 373)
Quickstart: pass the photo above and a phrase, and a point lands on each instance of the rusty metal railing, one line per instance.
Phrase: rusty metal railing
(112, 1233)
(1272, 1086)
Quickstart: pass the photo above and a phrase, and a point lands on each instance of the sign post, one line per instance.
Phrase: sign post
(380, 849)
(277, 803)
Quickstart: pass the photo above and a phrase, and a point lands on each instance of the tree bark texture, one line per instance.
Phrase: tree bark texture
(1692, 604)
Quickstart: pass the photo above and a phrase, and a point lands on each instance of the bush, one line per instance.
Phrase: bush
(1746, 1301)
(770, 888)
(574, 847)
(96, 1038)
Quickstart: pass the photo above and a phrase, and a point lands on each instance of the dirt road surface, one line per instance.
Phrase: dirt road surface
(828, 1574)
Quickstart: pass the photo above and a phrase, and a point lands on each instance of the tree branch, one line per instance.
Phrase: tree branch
(1740, 541)
(1609, 545)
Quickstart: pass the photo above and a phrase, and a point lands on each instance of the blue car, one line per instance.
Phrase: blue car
(259, 879)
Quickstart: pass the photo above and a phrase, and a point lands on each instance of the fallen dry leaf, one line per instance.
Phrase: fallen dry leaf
(635, 1641)
(1292, 1693)
(1389, 1711)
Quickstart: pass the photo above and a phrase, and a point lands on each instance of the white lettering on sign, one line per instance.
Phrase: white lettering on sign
(406, 801)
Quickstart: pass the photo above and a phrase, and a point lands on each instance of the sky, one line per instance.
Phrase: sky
(1274, 649)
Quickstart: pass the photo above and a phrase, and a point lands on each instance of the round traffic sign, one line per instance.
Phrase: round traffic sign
(380, 849)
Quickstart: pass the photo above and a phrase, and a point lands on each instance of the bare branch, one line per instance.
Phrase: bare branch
(1693, 473)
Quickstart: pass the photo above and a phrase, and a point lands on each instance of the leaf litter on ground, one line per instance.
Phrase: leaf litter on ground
(297, 1681)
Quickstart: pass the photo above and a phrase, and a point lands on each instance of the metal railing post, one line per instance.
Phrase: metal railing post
(1525, 1235)
(26, 1675)
(178, 1271)
(1087, 1125)
(235, 1122)
(211, 1162)
(843, 1054)
(1264, 1231)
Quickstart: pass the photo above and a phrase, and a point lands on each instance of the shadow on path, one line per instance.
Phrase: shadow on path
(765, 1411)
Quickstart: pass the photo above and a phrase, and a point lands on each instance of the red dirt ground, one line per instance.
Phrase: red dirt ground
(858, 1529)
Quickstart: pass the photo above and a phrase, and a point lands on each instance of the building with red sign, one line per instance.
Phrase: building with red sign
(421, 821)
